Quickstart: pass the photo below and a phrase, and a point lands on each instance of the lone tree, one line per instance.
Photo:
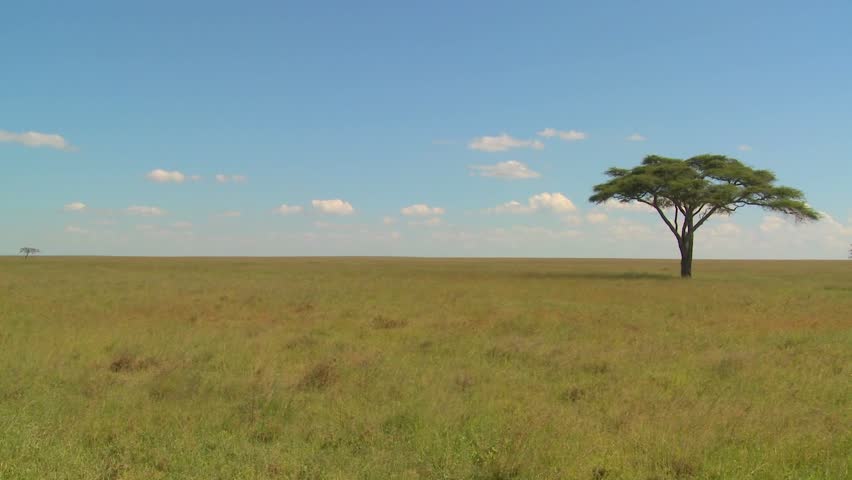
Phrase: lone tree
(27, 251)
(697, 188)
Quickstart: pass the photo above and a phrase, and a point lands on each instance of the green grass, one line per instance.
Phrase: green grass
(310, 368)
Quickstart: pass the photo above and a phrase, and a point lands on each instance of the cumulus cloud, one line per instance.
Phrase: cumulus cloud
(222, 178)
(164, 176)
(554, 202)
(145, 211)
(596, 217)
(333, 207)
(36, 139)
(285, 209)
(613, 204)
(744, 148)
(510, 170)
(501, 143)
(567, 135)
(388, 220)
(636, 137)
(74, 207)
(421, 210)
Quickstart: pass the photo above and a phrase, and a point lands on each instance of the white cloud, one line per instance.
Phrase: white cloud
(421, 210)
(36, 139)
(567, 135)
(75, 229)
(512, 206)
(74, 207)
(285, 209)
(613, 204)
(222, 178)
(145, 211)
(723, 230)
(182, 225)
(552, 201)
(572, 220)
(629, 230)
(771, 223)
(510, 170)
(431, 222)
(514, 236)
(827, 225)
(545, 233)
(164, 176)
(744, 148)
(334, 206)
(501, 143)
(555, 202)
(388, 220)
(230, 214)
(834, 227)
(596, 217)
(783, 237)
(636, 137)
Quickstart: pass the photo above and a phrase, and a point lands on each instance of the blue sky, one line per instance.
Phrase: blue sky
(349, 112)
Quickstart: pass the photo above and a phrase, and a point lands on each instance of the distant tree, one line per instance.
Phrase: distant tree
(27, 251)
(696, 189)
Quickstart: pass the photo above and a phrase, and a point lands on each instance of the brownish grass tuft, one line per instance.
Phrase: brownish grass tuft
(130, 363)
(382, 322)
(572, 395)
(319, 377)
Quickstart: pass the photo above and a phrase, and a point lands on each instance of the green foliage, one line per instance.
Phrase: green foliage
(503, 369)
(701, 185)
(686, 193)
(27, 251)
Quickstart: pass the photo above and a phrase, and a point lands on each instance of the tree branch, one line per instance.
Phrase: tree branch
(663, 216)
(704, 218)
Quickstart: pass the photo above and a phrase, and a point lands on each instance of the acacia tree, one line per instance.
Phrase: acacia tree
(686, 193)
(27, 251)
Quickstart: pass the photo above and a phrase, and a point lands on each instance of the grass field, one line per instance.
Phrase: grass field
(119, 368)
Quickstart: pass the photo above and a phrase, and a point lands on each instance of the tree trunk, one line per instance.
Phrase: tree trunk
(686, 258)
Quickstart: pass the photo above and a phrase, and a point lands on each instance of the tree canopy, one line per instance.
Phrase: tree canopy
(27, 251)
(694, 189)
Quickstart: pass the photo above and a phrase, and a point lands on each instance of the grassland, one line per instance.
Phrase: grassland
(424, 369)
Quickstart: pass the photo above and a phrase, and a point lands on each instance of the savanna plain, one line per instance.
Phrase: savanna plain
(379, 368)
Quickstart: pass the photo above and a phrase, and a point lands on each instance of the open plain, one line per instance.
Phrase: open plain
(381, 368)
